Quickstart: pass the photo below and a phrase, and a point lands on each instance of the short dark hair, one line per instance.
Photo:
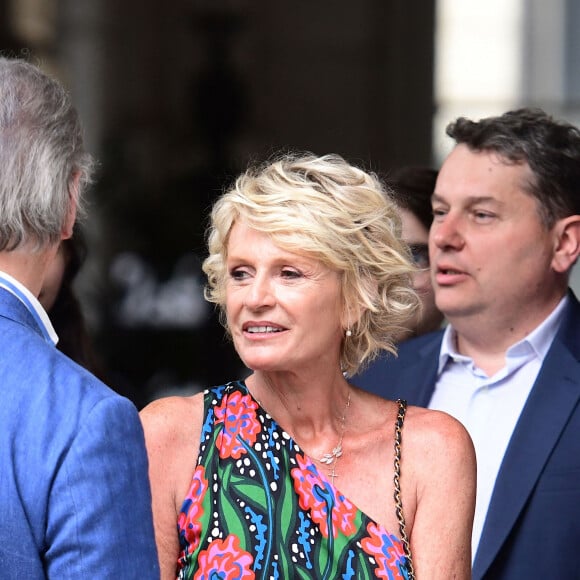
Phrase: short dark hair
(413, 186)
(551, 148)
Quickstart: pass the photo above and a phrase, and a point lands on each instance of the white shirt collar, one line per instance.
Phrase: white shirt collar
(540, 339)
(31, 302)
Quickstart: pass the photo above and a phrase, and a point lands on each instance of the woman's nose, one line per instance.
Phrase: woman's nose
(260, 293)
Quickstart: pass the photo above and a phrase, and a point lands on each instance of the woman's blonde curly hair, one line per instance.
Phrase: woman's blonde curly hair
(329, 210)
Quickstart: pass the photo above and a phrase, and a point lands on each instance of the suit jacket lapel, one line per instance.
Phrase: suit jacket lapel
(420, 373)
(551, 401)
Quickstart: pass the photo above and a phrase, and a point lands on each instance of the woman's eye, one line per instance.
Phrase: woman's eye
(238, 274)
(287, 273)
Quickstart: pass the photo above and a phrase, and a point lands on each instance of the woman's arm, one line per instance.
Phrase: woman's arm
(443, 463)
(172, 432)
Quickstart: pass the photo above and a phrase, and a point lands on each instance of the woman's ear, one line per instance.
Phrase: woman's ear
(71, 216)
(567, 243)
(351, 316)
(354, 306)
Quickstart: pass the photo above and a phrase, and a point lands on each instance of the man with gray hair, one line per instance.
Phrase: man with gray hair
(75, 499)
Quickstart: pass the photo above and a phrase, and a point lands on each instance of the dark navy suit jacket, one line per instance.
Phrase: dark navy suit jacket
(532, 529)
(74, 490)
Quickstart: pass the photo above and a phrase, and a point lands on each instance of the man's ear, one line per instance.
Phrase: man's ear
(567, 243)
(71, 216)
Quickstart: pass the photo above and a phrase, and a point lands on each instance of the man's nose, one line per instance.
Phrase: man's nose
(447, 232)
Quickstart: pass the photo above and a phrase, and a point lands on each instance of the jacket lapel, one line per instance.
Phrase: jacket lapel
(545, 414)
(419, 375)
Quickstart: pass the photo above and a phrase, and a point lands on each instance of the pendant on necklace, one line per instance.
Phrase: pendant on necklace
(330, 458)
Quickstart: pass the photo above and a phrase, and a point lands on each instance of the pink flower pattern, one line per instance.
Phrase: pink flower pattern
(386, 549)
(224, 559)
(189, 523)
(306, 478)
(237, 413)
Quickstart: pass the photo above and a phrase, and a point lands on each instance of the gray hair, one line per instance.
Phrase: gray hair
(41, 153)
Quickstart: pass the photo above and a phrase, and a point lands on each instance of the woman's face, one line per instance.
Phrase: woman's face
(283, 309)
(415, 234)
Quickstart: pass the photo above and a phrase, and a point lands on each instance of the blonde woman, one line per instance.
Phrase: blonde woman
(294, 472)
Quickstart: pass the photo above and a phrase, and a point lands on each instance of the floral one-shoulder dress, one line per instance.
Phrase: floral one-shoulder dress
(258, 507)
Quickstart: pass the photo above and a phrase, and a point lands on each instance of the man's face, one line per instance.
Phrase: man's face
(490, 252)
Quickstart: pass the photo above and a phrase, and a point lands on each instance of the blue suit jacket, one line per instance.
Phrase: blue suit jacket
(74, 492)
(532, 529)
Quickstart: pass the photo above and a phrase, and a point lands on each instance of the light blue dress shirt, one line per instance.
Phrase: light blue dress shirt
(489, 407)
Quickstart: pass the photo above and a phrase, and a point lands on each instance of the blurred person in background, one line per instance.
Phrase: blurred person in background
(59, 298)
(412, 188)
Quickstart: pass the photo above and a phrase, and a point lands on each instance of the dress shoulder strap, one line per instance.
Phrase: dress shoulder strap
(398, 502)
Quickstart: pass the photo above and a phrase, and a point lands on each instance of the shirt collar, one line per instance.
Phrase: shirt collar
(32, 304)
(539, 340)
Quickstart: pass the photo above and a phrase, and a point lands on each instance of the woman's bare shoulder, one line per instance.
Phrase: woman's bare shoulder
(171, 421)
(172, 427)
(438, 427)
(427, 434)
(440, 441)
(420, 424)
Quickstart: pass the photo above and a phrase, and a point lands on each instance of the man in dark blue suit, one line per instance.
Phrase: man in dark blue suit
(505, 236)
(74, 491)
